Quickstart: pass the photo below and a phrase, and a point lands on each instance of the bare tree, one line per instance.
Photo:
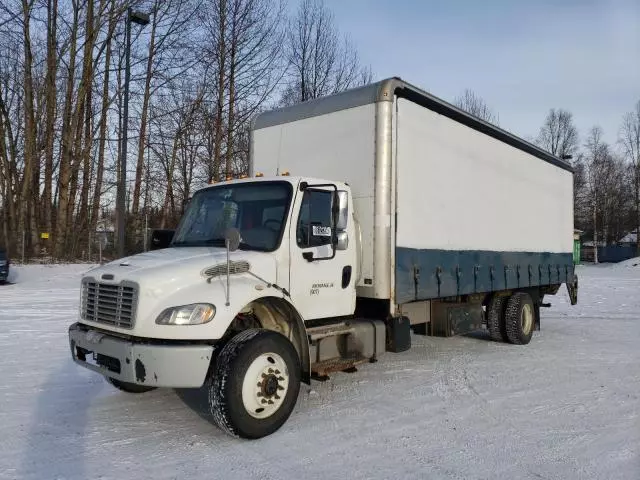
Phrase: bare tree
(472, 103)
(30, 133)
(581, 209)
(321, 61)
(167, 57)
(242, 57)
(11, 129)
(51, 97)
(630, 139)
(608, 189)
(558, 135)
(176, 146)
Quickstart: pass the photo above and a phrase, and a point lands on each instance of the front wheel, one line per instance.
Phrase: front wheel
(255, 384)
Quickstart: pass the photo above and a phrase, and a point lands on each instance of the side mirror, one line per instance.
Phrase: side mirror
(342, 218)
(341, 207)
(342, 241)
(232, 239)
(161, 239)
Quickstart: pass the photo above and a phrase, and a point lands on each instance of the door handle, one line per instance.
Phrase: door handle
(346, 276)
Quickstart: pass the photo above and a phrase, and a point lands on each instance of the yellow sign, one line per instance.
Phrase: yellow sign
(44, 235)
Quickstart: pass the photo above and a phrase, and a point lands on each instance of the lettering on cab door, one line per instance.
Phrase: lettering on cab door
(315, 288)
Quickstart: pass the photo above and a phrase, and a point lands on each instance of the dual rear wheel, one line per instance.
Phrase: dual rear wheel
(511, 318)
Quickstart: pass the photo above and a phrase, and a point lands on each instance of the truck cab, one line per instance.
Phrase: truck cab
(263, 255)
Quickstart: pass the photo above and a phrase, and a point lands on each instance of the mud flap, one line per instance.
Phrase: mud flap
(572, 289)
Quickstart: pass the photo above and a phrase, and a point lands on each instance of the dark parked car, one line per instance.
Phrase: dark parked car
(4, 265)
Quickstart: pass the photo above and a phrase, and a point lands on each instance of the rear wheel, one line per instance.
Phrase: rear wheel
(255, 384)
(520, 318)
(129, 387)
(495, 318)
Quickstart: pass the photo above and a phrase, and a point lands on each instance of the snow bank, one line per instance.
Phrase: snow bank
(25, 274)
(632, 262)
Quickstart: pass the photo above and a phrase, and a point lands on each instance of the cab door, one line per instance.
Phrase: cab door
(322, 272)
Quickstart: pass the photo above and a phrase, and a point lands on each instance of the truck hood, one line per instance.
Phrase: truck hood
(176, 276)
(180, 263)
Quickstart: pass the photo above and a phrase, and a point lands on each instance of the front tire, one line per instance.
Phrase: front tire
(129, 387)
(255, 384)
(520, 318)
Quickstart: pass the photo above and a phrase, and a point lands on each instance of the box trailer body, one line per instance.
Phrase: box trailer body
(447, 204)
(366, 215)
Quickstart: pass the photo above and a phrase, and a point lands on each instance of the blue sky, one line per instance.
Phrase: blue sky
(522, 56)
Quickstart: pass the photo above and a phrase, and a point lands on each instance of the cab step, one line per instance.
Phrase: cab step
(341, 346)
(318, 333)
(320, 370)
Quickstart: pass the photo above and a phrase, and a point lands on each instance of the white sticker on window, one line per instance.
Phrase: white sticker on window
(319, 231)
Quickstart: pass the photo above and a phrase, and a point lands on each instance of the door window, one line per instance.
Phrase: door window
(314, 222)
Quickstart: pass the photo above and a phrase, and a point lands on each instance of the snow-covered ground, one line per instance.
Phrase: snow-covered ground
(631, 263)
(565, 406)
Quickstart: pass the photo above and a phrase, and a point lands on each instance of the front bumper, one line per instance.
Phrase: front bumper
(142, 363)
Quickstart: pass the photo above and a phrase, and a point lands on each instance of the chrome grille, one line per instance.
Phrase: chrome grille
(109, 304)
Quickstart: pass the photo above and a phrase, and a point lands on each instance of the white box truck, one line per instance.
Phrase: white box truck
(366, 215)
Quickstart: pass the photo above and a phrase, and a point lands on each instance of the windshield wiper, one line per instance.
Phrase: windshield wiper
(222, 243)
(199, 243)
(215, 241)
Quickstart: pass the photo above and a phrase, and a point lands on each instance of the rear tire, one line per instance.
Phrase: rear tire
(520, 318)
(496, 318)
(129, 387)
(255, 384)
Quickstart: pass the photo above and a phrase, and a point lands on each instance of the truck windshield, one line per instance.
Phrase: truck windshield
(258, 210)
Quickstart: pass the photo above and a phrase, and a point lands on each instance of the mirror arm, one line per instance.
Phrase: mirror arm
(335, 212)
(231, 241)
(228, 245)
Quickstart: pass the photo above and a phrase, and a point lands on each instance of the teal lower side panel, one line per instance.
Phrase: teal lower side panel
(429, 274)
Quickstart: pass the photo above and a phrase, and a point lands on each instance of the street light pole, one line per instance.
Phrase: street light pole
(140, 19)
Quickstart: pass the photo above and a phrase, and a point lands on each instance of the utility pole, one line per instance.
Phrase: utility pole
(595, 225)
(140, 19)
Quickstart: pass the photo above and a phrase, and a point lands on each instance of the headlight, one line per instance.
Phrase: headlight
(194, 314)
